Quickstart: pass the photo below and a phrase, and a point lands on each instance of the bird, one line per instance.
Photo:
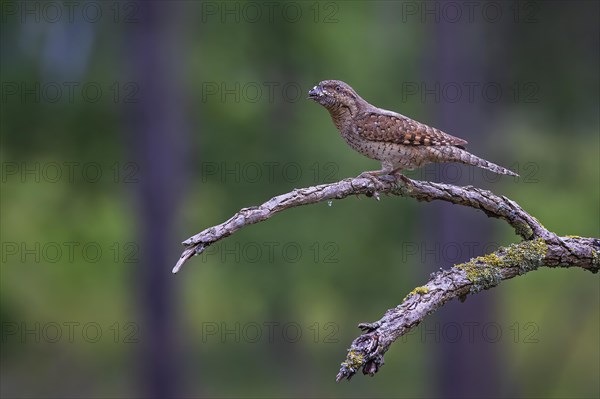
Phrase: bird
(397, 141)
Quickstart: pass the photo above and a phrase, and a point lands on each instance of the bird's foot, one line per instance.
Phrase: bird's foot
(397, 173)
(407, 182)
(376, 179)
(379, 176)
(388, 178)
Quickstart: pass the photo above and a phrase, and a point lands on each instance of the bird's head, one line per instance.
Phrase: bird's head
(335, 94)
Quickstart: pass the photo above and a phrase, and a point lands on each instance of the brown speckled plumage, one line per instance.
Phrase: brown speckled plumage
(399, 142)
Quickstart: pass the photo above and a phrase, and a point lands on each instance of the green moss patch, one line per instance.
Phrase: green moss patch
(422, 290)
(486, 271)
(354, 361)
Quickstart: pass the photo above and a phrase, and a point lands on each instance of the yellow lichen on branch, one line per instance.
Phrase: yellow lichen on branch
(484, 271)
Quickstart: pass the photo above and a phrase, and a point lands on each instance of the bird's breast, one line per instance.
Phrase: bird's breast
(372, 149)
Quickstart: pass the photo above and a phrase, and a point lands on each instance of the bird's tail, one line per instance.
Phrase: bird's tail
(462, 156)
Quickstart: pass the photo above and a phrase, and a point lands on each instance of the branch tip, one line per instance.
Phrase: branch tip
(187, 254)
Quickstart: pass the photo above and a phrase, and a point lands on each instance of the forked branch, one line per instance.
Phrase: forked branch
(539, 248)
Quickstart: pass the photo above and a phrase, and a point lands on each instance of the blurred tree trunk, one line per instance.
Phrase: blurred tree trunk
(282, 69)
(158, 132)
(465, 369)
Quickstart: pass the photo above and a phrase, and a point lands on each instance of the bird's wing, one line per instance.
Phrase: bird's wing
(391, 127)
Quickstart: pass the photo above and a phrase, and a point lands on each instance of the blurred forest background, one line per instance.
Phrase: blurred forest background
(126, 127)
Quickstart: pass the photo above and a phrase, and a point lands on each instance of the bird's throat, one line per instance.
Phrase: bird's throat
(341, 116)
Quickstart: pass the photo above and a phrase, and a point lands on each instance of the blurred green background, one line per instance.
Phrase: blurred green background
(126, 127)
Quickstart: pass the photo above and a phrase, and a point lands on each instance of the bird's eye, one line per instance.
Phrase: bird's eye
(338, 88)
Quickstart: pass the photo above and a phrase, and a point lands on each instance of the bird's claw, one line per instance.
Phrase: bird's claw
(388, 178)
(407, 182)
(380, 179)
(379, 185)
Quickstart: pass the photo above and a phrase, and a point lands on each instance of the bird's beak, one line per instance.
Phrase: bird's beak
(315, 93)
